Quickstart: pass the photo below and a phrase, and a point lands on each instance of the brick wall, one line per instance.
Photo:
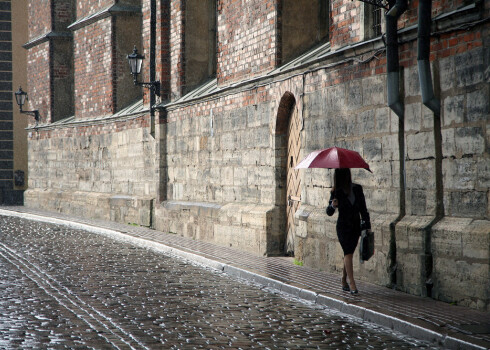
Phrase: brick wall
(177, 58)
(100, 50)
(88, 7)
(64, 14)
(200, 42)
(38, 67)
(127, 35)
(345, 25)
(39, 17)
(55, 100)
(39, 83)
(301, 25)
(144, 45)
(246, 39)
(163, 66)
(93, 62)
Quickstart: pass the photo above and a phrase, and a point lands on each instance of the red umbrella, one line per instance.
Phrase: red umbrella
(333, 158)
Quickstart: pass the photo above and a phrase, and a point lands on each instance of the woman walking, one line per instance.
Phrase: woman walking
(349, 198)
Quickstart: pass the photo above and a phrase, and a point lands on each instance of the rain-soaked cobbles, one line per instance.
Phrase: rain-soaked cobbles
(64, 288)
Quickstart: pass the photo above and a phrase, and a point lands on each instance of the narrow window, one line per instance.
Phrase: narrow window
(371, 21)
(200, 42)
(305, 23)
(376, 21)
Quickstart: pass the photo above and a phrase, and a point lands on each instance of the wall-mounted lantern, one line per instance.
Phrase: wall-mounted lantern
(21, 98)
(135, 61)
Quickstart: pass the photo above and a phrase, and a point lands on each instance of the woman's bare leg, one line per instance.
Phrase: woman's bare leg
(349, 269)
(344, 276)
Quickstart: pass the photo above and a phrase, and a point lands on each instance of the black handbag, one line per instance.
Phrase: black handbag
(366, 249)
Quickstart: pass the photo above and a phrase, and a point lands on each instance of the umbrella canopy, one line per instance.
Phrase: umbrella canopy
(333, 158)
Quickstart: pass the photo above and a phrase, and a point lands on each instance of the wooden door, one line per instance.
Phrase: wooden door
(293, 185)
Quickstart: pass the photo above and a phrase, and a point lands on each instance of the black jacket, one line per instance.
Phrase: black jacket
(349, 220)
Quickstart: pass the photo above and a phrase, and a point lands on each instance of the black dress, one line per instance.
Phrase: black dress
(349, 220)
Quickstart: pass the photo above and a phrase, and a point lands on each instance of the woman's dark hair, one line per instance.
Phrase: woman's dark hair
(342, 180)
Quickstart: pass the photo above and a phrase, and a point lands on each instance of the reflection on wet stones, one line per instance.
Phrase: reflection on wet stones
(65, 288)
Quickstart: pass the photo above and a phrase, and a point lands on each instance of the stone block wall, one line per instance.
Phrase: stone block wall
(461, 258)
(220, 155)
(246, 227)
(113, 165)
(228, 143)
(411, 256)
(465, 120)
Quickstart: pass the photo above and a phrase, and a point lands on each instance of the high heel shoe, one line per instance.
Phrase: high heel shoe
(345, 286)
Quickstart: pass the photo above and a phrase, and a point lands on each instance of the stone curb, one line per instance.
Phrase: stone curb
(368, 315)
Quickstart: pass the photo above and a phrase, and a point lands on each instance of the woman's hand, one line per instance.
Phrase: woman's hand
(335, 203)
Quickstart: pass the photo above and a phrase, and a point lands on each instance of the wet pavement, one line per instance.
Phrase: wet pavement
(96, 292)
(68, 288)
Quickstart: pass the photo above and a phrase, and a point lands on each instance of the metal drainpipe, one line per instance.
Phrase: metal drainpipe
(398, 8)
(430, 101)
(392, 57)
(423, 52)
(394, 102)
(153, 21)
(153, 26)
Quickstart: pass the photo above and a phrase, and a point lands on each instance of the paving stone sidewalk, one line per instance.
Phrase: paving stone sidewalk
(449, 326)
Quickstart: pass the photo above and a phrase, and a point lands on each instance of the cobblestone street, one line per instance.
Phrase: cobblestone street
(65, 288)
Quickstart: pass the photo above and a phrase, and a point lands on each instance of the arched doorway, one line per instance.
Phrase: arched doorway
(293, 182)
(288, 129)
